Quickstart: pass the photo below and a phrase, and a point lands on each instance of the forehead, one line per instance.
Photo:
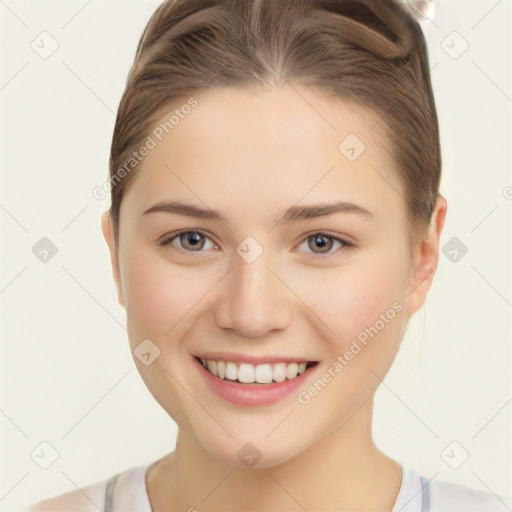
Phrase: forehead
(239, 148)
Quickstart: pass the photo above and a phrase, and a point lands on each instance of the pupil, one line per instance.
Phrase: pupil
(193, 239)
(320, 240)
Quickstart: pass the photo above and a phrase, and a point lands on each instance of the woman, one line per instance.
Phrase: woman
(275, 221)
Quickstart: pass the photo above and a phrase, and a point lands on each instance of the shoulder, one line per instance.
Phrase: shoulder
(448, 496)
(420, 493)
(90, 498)
(126, 489)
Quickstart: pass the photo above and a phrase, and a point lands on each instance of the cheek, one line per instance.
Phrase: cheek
(351, 298)
(158, 294)
(158, 297)
(373, 291)
(364, 304)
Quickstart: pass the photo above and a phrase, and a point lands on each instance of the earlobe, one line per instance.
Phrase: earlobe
(108, 234)
(425, 258)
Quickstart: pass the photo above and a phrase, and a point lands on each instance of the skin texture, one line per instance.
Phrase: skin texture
(251, 156)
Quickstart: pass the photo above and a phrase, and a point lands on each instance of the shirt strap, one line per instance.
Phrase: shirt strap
(425, 495)
(109, 492)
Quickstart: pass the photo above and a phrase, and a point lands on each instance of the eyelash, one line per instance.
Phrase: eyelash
(173, 236)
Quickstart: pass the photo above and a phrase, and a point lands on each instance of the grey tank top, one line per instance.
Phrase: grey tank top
(111, 485)
(109, 492)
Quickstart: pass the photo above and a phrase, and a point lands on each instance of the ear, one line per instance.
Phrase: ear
(108, 233)
(425, 257)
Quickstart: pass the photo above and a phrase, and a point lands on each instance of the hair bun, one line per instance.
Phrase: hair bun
(420, 9)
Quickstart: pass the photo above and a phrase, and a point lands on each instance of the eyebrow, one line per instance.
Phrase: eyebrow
(292, 214)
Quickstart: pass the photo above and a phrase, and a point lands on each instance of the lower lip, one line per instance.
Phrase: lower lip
(251, 394)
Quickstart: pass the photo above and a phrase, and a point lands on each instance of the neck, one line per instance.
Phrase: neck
(342, 471)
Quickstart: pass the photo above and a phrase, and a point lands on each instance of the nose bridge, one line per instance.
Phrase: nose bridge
(254, 301)
(253, 281)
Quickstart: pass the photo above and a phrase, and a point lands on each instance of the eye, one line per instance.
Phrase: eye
(190, 241)
(325, 242)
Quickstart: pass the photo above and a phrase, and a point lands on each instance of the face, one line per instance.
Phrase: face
(312, 299)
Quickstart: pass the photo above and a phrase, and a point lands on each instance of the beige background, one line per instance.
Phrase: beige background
(66, 373)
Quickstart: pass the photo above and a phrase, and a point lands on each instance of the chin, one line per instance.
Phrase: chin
(252, 455)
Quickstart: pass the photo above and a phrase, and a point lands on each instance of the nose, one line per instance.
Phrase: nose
(253, 301)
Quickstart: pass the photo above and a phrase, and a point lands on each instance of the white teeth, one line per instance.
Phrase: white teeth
(292, 370)
(212, 366)
(221, 369)
(263, 374)
(279, 372)
(231, 371)
(248, 373)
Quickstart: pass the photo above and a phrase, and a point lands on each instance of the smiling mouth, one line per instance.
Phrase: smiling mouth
(263, 373)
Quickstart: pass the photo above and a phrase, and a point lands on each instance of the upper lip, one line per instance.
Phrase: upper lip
(245, 358)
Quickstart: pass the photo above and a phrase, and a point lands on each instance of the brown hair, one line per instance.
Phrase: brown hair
(371, 52)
